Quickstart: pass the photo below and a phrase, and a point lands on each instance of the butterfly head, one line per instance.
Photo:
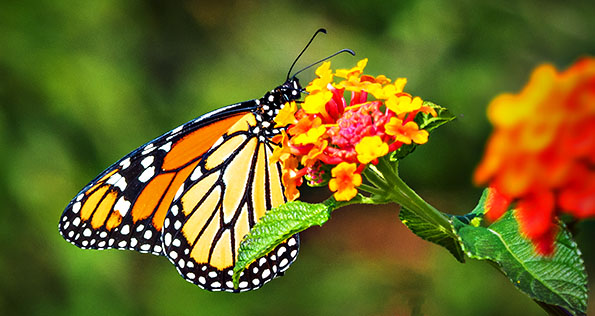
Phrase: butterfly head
(274, 100)
(291, 90)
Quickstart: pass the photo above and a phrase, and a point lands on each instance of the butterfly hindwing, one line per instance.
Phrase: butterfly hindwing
(124, 207)
(226, 194)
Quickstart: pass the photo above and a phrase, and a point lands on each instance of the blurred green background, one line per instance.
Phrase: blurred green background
(84, 83)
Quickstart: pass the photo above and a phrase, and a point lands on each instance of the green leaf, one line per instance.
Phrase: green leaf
(426, 122)
(476, 215)
(558, 281)
(276, 226)
(431, 232)
(429, 123)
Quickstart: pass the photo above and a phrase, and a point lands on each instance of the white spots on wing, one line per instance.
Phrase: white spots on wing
(101, 244)
(166, 147)
(167, 239)
(243, 284)
(79, 197)
(283, 262)
(145, 247)
(281, 251)
(103, 234)
(176, 242)
(125, 163)
(190, 275)
(147, 161)
(122, 244)
(179, 192)
(76, 207)
(87, 232)
(76, 221)
(262, 261)
(121, 184)
(293, 253)
(182, 264)
(265, 124)
(212, 274)
(148, 234)
(216, 284)
(114, 178)
(196, 174)
(202, 280)
(271, 98)
(147, 174)
(256, 282)
(266, 273)
(122, 206)
(125, 230)
(133, 242)
(174, 210)
(157, 249)
(190, 264)
(176, 130)
(166, 223)
(291, 242)
(117, 180)
(177, 225)
(140, 228)
(149, 148)
(173, 255)
(229, 284)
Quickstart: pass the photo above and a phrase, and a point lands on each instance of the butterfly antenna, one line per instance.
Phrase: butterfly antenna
(344, 50)
(320, 30)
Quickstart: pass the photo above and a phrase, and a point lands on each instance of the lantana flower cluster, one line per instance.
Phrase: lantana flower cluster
(541, 154)
(330, 134)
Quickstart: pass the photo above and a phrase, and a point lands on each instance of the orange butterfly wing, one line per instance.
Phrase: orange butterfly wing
(124, 207)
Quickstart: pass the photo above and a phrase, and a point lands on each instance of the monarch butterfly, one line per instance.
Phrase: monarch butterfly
(193, 193)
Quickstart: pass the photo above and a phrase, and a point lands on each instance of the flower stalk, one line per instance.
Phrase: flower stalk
(394, 189)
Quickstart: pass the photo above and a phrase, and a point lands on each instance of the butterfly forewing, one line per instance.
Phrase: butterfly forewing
(124, 207)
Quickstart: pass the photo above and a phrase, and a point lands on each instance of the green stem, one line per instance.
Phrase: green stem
(400, 193)
(407, 198)
(375, 178)
(371, 189)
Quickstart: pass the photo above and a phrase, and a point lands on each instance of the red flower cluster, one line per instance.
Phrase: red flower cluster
(541, 154)
(329, 131)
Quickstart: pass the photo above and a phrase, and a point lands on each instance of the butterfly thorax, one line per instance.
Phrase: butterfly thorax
(271, 103)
